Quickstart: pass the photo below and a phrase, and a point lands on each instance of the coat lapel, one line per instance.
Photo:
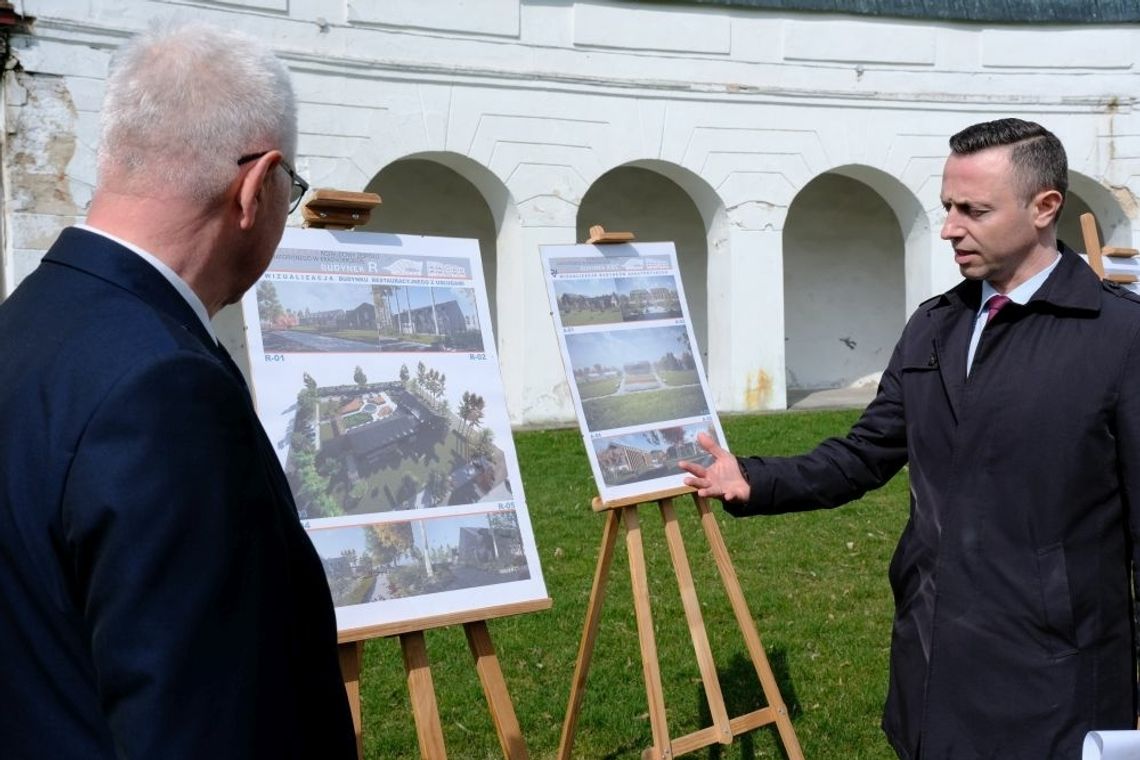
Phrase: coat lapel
(104, 258)
(1072, 285)
(101, 257)
(954, 322)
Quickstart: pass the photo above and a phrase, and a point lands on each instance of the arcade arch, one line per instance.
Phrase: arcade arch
(856, 247)
(658, 201)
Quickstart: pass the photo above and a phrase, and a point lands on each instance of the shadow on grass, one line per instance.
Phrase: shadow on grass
(740, 686)
(632, 748)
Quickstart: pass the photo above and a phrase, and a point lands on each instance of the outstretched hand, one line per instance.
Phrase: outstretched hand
(721, 479)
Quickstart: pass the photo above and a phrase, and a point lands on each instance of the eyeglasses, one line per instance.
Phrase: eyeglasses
(298, 186)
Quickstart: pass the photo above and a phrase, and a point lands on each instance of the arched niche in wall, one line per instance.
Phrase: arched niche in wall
(1085, 195)
(449, 195)
(659, 201)
(847, 256)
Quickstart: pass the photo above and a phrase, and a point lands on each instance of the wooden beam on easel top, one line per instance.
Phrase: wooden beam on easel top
(599, 236)
(1097, 253)
(601, 506)
(338, 208)
(1092, 244)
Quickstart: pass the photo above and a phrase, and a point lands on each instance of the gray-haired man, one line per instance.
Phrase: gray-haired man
(158, 597)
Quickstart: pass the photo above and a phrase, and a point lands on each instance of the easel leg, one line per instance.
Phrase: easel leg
(350, 657)
(697, 631)
(748, 629)
(589, 634)
(422, 693)
(649, 663)
(495, 689)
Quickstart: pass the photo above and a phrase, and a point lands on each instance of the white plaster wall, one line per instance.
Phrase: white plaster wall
(844, 284)
(741, 108)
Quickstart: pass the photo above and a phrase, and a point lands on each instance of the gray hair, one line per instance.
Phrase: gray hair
(184, 102)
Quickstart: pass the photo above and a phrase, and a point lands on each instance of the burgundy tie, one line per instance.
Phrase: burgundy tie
(994, 305)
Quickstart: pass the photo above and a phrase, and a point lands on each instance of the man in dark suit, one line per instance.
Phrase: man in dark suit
(1015, 399)
(158, 596)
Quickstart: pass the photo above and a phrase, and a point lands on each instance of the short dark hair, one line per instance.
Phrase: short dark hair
(1037, 156)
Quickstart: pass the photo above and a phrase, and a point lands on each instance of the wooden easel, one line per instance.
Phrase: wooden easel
(723, 729)
(338, 209)
(421, 687)
(1096, 253)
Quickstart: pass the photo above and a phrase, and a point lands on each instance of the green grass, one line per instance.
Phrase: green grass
(815, 584)
(594, 388)
(679, 377)
(360, 336)
(644, 406)
(355, 419)
(363, 336)
(571, 318)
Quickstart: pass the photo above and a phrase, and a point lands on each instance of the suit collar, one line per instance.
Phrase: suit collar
(1072, 285)
(102, 257)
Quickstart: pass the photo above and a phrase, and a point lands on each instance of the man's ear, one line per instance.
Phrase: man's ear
(1046, 208)
(251, 185)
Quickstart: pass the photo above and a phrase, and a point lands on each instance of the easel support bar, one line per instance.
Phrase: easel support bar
(495, 689)
(707, 736)
(697, 631)
(350, 657)
(421, 690)
(650, 664)
(748, 628)
(589, 633)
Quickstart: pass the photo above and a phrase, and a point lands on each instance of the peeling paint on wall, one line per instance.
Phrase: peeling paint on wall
(41, 129)
(758, 391)
(1127, 200)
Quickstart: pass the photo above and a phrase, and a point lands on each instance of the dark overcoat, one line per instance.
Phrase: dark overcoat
(1013, 632)
(158, 596)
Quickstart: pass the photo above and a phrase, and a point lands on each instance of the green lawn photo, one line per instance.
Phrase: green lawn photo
(360, 336)
(590, 317)
(815, 582)
(622, 409)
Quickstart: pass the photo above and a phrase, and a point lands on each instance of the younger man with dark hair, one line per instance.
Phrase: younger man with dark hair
(1015, 400)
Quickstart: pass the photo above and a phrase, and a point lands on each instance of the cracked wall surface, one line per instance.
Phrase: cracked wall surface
(51, 98)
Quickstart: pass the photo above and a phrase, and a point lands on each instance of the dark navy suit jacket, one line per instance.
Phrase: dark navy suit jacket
(158, 596)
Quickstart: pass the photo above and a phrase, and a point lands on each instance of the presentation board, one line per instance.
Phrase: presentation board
(376, 377)
(631, 362)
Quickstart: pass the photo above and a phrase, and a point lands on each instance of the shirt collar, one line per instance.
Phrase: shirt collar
(1023, 292)
(171, 276)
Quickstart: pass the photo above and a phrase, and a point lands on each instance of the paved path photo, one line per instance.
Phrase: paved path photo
(283, 340)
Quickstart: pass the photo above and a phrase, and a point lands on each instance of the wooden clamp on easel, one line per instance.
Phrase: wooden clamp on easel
(723, 729)
(1097, 253)
(338, 209)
